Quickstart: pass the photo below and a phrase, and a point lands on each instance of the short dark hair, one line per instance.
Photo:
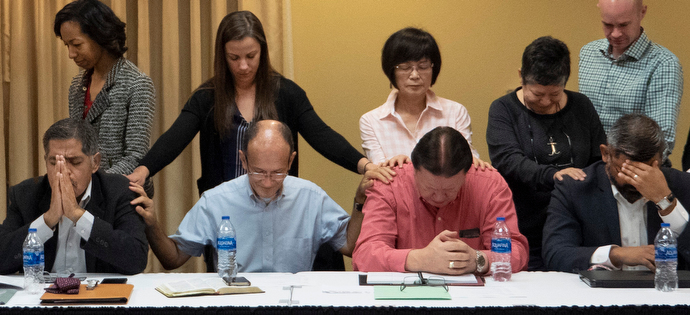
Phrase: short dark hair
(72, 128)
(97, 21)
(638, 137)
(410, 44)
(254, 129)
(546, 61)
(443, 151)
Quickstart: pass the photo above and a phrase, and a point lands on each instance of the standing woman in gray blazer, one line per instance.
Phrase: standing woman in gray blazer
(109, 92)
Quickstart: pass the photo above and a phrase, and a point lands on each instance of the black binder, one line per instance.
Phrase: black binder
(627, 279)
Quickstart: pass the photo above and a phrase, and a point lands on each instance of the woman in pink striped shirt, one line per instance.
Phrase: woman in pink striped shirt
(412, 61)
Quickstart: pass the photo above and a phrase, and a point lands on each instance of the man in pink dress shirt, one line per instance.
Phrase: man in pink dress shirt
(412, 223)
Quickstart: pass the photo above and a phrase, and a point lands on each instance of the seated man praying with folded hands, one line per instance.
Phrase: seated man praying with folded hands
(412, 223)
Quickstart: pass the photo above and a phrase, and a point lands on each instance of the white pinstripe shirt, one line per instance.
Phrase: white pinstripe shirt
(384, 134)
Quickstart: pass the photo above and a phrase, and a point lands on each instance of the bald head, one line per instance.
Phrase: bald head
(268, 133)
(267, 154)
(635, 5)
(621, 21)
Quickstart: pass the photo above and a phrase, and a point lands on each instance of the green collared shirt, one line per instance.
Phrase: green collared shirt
(647, 78)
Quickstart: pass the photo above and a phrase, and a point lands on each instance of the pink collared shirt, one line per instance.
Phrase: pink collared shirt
(384, 134)
(397, 221)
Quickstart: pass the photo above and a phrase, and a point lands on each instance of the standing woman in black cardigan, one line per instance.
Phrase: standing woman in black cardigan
(244, 88)
(109, 92)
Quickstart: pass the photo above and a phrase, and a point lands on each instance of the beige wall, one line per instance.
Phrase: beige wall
(337, 51)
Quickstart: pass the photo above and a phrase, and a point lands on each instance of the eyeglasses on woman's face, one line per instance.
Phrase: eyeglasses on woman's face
(406, 68)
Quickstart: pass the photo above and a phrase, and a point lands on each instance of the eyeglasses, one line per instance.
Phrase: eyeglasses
(421, 281)
(264, 175)
(422, 67)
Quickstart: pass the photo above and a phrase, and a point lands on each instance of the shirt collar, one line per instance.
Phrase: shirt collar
(617, 194)
(87, 196)
(258, 200)
(389, 107)
(635, 50)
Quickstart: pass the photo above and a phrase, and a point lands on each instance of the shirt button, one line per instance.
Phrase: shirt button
(439, 218)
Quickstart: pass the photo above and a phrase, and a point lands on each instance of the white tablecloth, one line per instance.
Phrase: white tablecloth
(546, 289)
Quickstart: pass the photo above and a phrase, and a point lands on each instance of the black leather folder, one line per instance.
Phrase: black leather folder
(627, 279)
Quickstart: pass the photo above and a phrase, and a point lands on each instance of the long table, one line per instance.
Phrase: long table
(330, 292)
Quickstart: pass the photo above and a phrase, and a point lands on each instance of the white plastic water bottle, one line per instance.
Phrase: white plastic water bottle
(500, 251)
(34, 262)
(666, 259)
(227, 248)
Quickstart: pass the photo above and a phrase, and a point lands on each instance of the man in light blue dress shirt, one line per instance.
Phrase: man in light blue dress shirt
(280, 220)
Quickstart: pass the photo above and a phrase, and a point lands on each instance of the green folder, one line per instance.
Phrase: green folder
(392, 292)
(6, 295)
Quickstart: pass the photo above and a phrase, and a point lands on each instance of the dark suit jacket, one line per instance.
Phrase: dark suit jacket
(583, 215)
(117, 243)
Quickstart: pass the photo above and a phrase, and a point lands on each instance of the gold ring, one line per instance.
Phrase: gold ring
(451, 265)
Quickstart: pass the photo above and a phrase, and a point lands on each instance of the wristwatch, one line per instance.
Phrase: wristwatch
(481, 261)
(663, 204)
(358, 206)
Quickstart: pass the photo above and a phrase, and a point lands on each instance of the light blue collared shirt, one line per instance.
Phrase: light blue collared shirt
(281, 236)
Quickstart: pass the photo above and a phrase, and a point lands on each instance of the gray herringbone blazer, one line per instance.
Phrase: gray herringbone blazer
(122, 114)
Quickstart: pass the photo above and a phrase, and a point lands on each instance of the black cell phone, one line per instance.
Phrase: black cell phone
(469, 233)
(236, 281)
(114, 280)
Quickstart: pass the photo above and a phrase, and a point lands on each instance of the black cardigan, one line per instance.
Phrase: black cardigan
(293, 108)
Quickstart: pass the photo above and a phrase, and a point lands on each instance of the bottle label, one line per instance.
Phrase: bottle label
(226, 243)
(31, 259)
(662, 253)
(501, 245)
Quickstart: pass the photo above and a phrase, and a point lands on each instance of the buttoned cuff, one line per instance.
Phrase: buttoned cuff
(601, 257)
(84, 225)
(678, 218)
(43, 231)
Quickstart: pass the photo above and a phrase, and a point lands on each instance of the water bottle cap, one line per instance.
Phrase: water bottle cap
(225, 217)
(32, 230)
(500, 219)
(665, 224)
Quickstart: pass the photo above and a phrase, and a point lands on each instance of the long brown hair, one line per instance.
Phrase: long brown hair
(237, 26)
